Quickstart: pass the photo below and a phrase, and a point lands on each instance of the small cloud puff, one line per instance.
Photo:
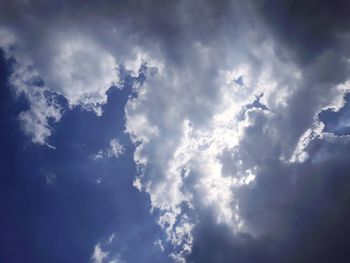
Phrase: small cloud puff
(103, 252)
(50, 178)
(99, 255)
(115, 149)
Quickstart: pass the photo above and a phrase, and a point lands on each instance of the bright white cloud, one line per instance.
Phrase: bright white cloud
(81, 71)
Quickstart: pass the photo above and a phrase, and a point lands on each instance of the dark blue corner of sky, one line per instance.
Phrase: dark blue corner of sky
(57, 204)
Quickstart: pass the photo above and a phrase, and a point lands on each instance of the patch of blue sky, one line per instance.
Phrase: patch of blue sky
(58, 204)
(337, 122)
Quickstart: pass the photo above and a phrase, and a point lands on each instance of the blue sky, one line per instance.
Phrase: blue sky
(177, 131)
(62, 219)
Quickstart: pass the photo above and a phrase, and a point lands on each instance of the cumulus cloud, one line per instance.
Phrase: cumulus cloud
(226, 123)
(207, 143)
(81, 71)
(62, 62)
(76, 68)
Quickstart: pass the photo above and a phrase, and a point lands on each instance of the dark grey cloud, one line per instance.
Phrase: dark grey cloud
(306, 219)
(307, 27)
(216, 243)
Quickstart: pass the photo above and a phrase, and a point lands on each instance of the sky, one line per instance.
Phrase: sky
(174, 131)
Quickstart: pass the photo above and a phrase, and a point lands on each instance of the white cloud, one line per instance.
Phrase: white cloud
(115, 149)
(81, 71)
(187, 117)
(75, 67)
(190, 133)
(43, 105)
(99, 255)
(159, 243)
(108, 254)
(111, 238)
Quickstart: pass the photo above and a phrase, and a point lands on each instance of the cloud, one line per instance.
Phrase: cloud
(159, 243)
(99, 255)
(107, 254)
(72, 66)
(307, 28)
(115, 149)
(50, 178)
(204, 145)
(226, 122)
(81, 71)
(181, 159)
(111, 238)
(295, 205)
(44, 106)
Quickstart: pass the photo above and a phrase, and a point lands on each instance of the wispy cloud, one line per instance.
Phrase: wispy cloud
(99, 255)
(115, 149)
(108, 254)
